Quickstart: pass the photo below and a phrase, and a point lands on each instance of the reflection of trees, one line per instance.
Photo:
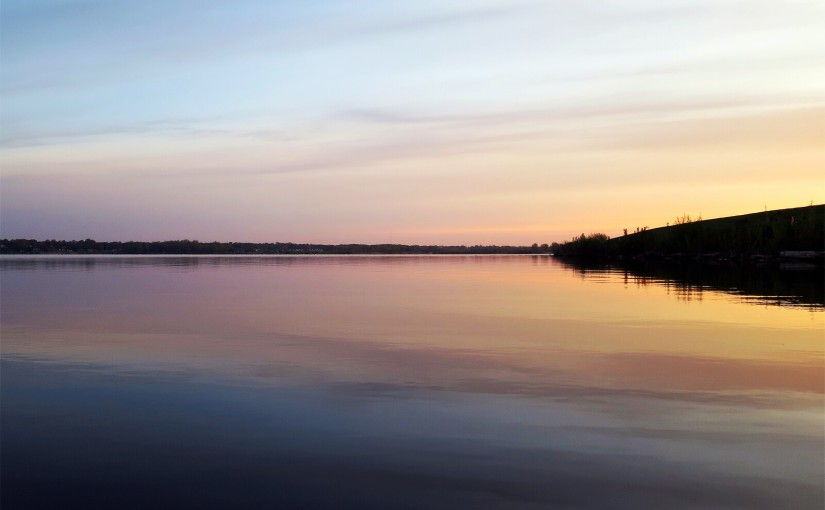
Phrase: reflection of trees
(688, 282)
(683, 291)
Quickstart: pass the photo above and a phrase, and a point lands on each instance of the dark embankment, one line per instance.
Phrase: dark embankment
(797, 233)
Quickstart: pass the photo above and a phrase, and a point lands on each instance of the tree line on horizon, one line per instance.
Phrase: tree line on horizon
(193, 247)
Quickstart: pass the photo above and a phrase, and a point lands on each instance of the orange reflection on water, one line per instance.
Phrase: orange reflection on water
(504, 324)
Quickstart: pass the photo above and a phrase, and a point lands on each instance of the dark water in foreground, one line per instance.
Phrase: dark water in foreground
(402, 382)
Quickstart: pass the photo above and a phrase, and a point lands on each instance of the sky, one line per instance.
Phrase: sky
(418, 122)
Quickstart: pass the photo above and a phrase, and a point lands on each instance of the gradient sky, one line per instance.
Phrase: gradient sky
(463, 122)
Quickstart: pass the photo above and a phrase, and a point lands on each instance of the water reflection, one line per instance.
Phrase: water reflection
(410, 382)
(782, 285)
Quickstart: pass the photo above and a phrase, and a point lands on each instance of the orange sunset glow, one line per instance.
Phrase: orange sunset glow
(412, 254)
(492, 123)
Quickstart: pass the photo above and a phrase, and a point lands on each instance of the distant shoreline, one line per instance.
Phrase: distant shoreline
(255, 255)
(187, 247)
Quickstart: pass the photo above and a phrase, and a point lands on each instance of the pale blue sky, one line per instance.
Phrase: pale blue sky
(419, 122)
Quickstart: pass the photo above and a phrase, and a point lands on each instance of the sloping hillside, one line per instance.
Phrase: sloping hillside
(765, 233)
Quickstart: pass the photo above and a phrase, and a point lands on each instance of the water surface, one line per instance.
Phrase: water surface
(403, 382)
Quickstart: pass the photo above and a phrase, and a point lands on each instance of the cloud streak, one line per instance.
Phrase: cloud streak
(536, 109)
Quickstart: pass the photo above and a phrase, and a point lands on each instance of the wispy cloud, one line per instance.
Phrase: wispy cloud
(165, 127)
(373, 109)
(132, 39)
(538, 119)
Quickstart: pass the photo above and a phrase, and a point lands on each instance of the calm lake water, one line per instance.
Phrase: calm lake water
(404, 382)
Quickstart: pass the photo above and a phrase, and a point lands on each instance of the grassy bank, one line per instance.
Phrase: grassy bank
(747, 237)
